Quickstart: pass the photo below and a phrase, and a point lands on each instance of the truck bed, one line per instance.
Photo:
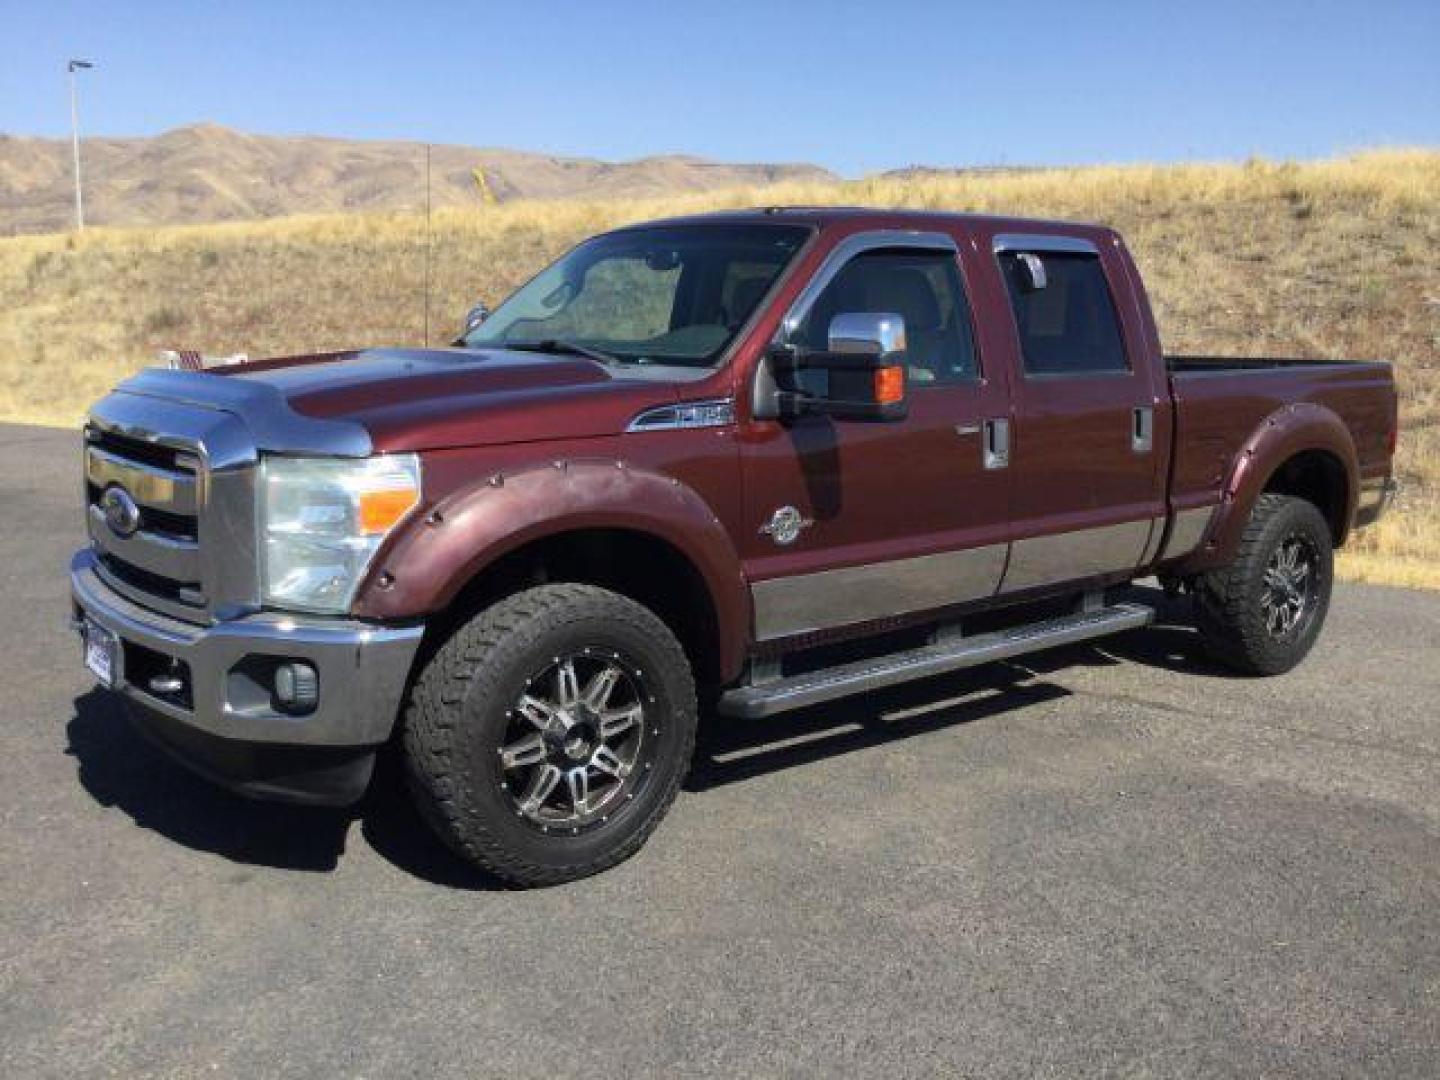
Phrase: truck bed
(1220, 401)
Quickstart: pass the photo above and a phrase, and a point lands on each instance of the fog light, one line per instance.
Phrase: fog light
(297, 686)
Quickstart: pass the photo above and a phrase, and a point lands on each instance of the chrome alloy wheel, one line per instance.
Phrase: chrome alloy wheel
(1291, 583)
(573, 742)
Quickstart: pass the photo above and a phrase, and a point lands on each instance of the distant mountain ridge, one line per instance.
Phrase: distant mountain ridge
(206, 172)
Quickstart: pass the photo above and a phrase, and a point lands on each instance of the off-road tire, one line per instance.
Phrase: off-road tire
(1228, 600)
(460, 707)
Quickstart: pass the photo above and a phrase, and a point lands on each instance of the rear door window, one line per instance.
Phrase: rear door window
(1064, 313)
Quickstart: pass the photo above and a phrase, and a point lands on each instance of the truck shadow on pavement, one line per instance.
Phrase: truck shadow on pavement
(731, 750)
(119, 768)
(122, 769)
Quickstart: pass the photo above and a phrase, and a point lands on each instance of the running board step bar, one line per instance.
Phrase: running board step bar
(811, 688)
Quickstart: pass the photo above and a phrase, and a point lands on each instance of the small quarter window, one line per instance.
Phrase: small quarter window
(1065, 314)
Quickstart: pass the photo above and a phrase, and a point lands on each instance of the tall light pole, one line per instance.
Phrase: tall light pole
(72, 67)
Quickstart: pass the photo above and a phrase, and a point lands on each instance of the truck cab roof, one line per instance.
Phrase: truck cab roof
(821, 217)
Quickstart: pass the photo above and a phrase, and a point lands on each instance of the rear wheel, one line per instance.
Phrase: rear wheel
(547, 738)
(1262, 613)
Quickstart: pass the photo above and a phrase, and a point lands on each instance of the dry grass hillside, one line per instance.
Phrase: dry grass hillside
(1321, 259)
(208, 173)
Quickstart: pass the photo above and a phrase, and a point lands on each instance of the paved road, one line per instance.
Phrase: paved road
(1114, 861)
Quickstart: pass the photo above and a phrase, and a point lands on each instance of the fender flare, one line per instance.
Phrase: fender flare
(1288, 431)
(424, 567)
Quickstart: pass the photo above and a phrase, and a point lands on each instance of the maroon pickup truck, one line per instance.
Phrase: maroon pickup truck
(731, 464)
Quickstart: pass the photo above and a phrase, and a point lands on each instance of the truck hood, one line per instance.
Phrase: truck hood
(425, 399)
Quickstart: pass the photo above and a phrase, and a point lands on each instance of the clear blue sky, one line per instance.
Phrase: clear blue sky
(854, 86)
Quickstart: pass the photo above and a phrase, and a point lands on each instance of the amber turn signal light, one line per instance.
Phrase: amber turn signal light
(382, 508)
(890, 385)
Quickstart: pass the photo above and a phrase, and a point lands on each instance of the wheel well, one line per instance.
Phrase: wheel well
(643, 567)
(1318, 477)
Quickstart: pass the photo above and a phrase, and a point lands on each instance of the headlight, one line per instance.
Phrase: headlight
(323, 519)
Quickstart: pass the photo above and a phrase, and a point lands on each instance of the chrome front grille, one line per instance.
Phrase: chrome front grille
(159, 562)
(166, 485)
(185, 446)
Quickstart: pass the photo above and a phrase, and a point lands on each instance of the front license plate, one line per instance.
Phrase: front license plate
(102, 653)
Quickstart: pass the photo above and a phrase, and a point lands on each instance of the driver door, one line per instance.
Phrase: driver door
(896, 518)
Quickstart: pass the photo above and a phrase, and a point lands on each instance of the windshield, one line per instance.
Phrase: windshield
(674, 295)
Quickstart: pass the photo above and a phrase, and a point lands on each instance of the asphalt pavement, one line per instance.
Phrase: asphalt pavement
(1114, 860)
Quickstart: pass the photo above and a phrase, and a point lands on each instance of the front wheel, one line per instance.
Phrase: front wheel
(1262, 613)
(547, 738)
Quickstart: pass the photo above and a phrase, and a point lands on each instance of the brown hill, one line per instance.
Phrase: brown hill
(1332, 258)
(208, 173)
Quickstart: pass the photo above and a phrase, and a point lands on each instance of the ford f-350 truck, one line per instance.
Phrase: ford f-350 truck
(731, 464)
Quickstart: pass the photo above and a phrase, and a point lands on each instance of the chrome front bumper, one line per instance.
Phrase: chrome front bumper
(362, 667)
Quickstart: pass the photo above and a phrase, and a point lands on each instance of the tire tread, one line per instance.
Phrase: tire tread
(1225, 606)
(466, 666)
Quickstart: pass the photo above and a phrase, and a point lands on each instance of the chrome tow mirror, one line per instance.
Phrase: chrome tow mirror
(877, 335)
(1032, 268)
(475, 316)
(860, 375)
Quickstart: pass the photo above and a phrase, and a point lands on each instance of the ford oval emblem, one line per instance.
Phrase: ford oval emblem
(121, 513)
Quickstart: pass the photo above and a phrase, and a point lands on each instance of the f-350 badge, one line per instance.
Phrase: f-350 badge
(785, 524)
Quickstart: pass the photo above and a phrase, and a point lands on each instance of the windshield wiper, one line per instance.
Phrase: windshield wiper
(555, 346)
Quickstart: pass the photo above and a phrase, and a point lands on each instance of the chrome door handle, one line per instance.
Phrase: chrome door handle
(1142, 429)
(967, 429)
(997, 444)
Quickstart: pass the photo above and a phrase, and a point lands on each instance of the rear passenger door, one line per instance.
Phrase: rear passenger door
(1088, 490)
